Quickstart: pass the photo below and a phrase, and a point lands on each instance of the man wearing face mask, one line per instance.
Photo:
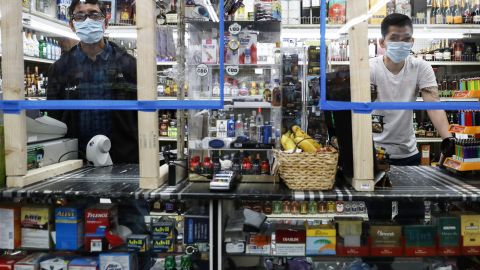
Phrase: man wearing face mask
(96, 69)
(398, 77)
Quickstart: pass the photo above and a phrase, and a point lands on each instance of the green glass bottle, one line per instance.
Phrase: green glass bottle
(185, 263)
(42, 47)
(170, 263)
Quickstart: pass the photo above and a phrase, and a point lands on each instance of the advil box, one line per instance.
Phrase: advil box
(83, 264)
(31, 262)
(10, 224)
(69, 227)
(98, 220)
(7, 262)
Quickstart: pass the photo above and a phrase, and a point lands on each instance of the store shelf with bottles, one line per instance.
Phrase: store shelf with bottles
(433, 63)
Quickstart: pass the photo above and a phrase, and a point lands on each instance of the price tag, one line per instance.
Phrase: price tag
(232, 70)
(235, 29)
(202, 70)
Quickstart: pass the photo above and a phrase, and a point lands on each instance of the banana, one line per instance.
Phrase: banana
(302, 134)
(287, 143)
(305, 145)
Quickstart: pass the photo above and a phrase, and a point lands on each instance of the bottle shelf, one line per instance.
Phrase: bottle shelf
(470, 130)
(428, 140)
(461, 166)
(241, 66)
(37, 60)
(316, 216)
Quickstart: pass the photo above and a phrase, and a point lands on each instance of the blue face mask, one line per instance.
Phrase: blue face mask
(89, 31)
(398, 51)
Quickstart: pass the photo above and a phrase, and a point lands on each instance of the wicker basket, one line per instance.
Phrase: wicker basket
(307, 171)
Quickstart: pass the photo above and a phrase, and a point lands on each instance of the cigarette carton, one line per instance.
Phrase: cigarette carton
(386, 240)
(69, 228)
(31, 262)
(321, 240)
(290, 242)
(420, 240)
(10, 224)
(57, 263)
(36, 223)
(448, 230)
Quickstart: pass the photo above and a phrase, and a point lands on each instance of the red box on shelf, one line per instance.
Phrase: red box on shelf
(7, 262)
(99, 219)
(420, 251)
(386, 240)
(352, 251)
(469, 250)
(449, 251)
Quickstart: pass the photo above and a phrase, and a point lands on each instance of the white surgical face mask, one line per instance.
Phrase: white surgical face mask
(89, 31)
(398, 51)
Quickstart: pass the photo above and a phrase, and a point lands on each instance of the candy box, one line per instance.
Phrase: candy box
(57, 263)
(321, 240)
(83, 264)
(8, 262)
(289, 242)
(10, 223)
(69, 228)
(31, 262)
(36, 224)
(99, 219)
(118, 261)
(138, 242)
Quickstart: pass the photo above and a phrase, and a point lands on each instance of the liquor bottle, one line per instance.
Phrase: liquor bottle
(231, 126)
(440, 17)
(372, 52)
(447, 12)
(457, 50)
(433, 12)
(457, 15)
(261, 88)
(438, 54)
(267, 94)
(213, 117)
(36, 46)
(467, 11)
(259, 123)
(42, 47)
(243, 90)
(477, 56)
(415, 123)
(252, 129)
(447, 52)
(234, 88)
(253, 89)
(390, 7)
(476, 15)
(239, 131)
(49, 48)
(25, 40)
(276, 94)
(216, 88)
(171, 15)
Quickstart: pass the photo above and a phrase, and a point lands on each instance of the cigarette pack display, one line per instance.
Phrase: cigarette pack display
(448, 230)
(8, 262)
(138, 242)
(386, 240)
(57, 263)
(10, 224)
(209, 51)
(378, 16)
(337, 11)
(117, 261)
(321, 240)
(31, 262)
(69, 228)
(99, 219)
(420, 240)
(196, 229)
(83, 264)
(290, 242)
(36, 223)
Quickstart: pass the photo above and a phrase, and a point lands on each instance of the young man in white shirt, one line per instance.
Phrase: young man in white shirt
(398, 76)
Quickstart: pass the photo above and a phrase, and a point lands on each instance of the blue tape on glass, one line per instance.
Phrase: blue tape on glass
(16, 106)
(368, 107)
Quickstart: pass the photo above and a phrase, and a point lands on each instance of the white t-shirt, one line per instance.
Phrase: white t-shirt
(398, 136)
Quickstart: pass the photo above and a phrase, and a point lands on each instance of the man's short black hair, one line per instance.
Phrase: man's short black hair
(74, 4)
(395, 19)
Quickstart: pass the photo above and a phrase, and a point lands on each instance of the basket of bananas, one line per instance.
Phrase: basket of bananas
(305, 164)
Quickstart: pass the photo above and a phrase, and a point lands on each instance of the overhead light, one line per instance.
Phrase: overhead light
(44, 25)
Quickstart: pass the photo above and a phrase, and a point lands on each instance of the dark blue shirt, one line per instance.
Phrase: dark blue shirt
(92, 87)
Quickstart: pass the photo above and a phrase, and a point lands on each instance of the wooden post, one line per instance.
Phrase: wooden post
(147, 90)
(360, 91)
(13, 87)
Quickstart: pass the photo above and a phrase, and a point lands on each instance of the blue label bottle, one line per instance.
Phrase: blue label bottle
(231, 127)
